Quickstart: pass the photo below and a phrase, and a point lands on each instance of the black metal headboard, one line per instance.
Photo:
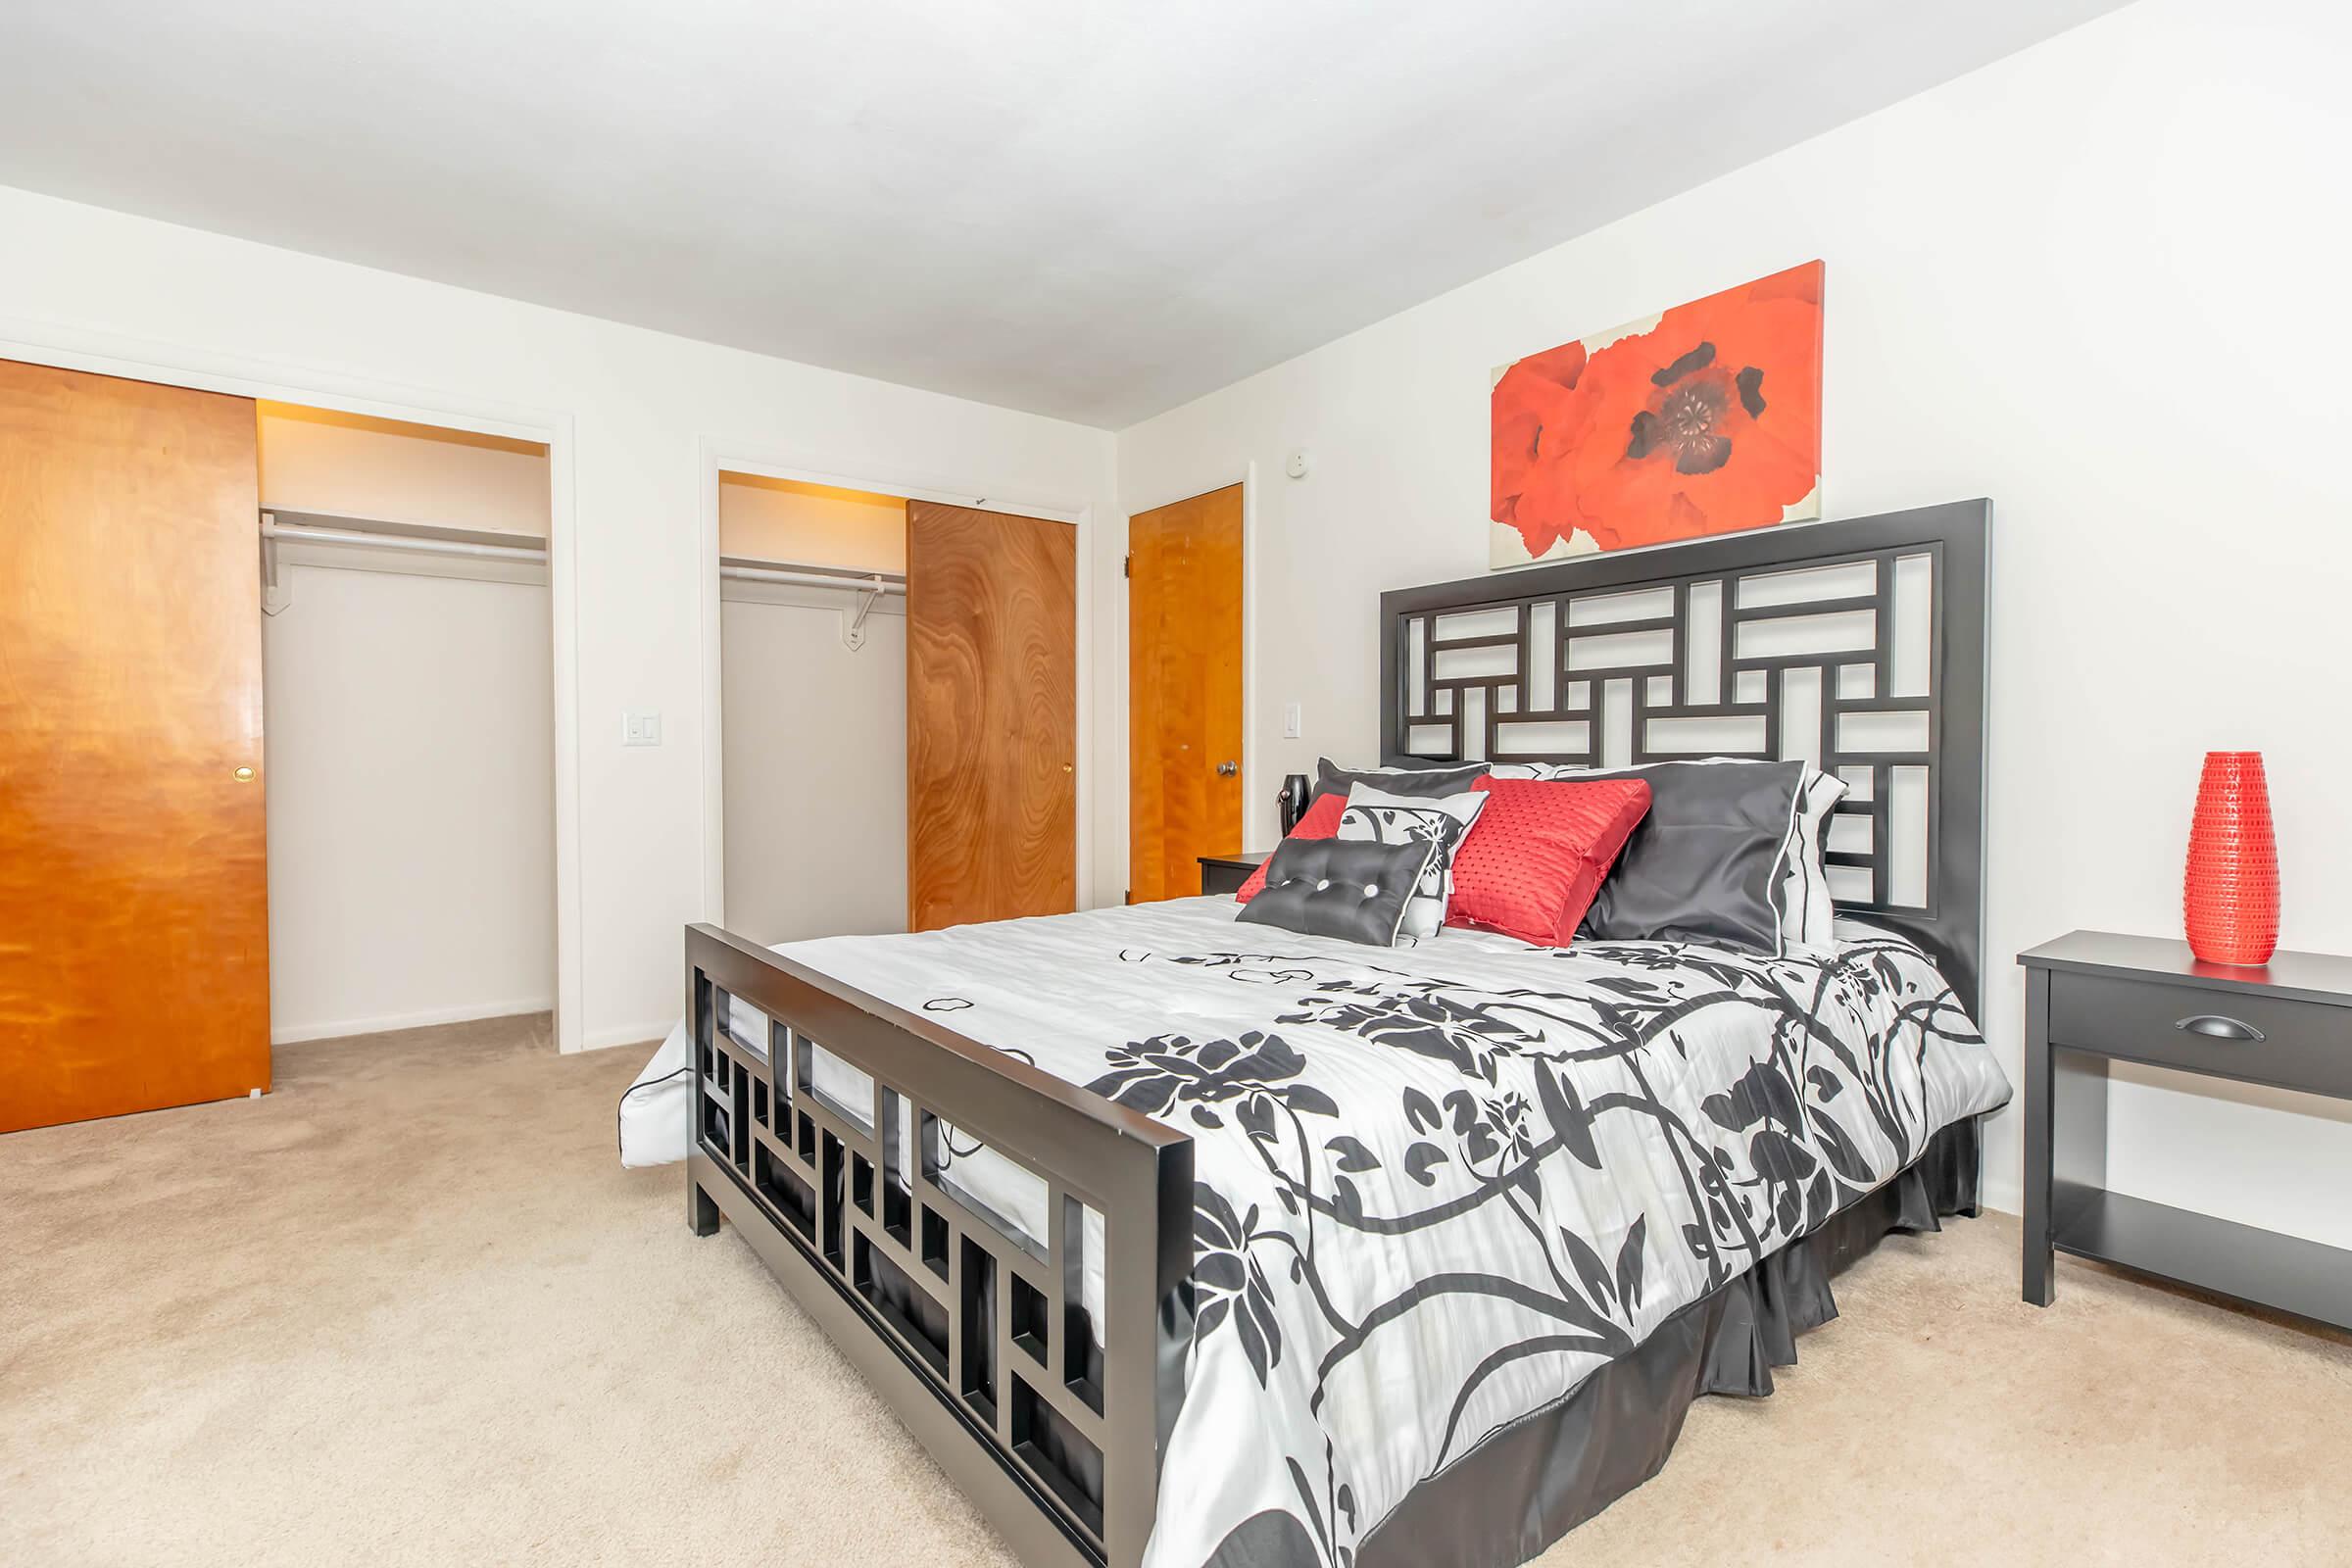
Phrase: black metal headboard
(1858, 646)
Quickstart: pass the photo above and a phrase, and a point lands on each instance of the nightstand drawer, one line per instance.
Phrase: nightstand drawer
(1222, 875)
(2295, 1045)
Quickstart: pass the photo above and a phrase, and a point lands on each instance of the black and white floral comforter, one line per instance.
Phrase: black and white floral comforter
(1438, 1186)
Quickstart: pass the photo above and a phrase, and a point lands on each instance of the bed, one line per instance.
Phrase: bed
(1180, 1242)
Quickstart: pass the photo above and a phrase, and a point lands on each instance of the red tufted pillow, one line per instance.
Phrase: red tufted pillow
(1321, 821)
(1538, 852)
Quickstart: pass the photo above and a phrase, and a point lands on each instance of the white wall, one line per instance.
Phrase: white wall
(410, 737)
(2100, 283)
(412, 802)
(630, 415)
(814, 732)
(809, 721)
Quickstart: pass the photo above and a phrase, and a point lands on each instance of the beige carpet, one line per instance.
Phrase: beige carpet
(408, 1310)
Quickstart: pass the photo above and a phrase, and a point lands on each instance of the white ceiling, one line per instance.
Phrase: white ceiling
(1095, 209)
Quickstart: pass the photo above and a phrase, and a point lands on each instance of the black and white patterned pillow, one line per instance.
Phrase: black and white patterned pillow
(1378, 816)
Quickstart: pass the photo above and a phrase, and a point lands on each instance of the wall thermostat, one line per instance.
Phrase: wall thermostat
(1296, 466)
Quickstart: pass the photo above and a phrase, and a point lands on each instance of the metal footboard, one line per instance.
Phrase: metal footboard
(976, 1330)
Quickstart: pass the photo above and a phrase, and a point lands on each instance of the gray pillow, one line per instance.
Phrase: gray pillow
(1706, 865)
(1406, 780)
(1349, 889)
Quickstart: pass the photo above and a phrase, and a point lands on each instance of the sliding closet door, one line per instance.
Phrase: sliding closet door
(134, 933)
(992, 715)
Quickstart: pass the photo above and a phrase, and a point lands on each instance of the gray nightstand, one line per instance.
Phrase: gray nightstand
(2093, 998)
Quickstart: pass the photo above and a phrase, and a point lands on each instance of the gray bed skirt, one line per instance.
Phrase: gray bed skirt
(1614, 1432)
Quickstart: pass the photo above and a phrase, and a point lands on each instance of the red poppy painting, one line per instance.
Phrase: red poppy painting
(1704, 419)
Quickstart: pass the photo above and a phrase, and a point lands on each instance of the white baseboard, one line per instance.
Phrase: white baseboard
(464, 1013)
(628, 1034)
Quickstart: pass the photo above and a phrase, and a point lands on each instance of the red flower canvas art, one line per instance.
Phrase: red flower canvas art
(1704, 419)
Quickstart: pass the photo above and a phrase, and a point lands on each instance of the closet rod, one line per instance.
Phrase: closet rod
(289, 533)
(864, 582)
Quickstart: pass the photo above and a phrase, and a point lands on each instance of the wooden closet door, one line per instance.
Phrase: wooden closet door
(992, 715)
(134, 932)
(1184, 683)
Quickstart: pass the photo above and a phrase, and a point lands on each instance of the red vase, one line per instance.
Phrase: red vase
(2230, 900)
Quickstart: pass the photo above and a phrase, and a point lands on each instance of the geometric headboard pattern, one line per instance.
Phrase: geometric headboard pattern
(1856, 645)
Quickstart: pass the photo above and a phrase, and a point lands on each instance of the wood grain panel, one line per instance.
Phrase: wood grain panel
(1184, 678)
(992, 715)
(134, 937)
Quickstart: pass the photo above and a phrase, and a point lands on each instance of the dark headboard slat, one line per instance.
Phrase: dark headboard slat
(1604, 656)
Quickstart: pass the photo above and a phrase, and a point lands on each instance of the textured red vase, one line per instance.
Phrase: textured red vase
(2230, 902)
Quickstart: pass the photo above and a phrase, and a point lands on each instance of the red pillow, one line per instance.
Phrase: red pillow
(1537, 854)
(1321, 821)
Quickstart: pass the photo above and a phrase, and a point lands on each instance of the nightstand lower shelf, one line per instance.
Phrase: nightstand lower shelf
(2240, 1261)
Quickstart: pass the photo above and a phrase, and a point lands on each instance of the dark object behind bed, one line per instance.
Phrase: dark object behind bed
(1421, 778)
(1434, 713)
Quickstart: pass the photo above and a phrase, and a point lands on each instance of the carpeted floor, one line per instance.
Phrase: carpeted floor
(409, 1311)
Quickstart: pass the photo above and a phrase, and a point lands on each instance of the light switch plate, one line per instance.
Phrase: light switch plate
(641, 729)
(1290, 722)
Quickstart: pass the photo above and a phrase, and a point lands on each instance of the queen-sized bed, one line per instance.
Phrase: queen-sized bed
(1181, 1242)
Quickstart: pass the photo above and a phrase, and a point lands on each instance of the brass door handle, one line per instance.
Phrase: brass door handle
(244, 775)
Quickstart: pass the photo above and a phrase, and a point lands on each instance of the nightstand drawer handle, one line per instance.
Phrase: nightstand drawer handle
(2213, 1026)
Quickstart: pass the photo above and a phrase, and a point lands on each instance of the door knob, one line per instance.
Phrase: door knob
(244, 775)
(1228, 769)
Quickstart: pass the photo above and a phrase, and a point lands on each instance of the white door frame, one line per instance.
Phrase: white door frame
(1218, 479)
(174, 364)
(718, 455)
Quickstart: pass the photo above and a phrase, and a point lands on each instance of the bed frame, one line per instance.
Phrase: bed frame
(973, 1331)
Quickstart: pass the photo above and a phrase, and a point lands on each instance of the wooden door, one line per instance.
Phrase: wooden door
(134, 934)
(992, 715)
(1184, 684)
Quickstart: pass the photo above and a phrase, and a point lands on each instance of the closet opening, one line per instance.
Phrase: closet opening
(898, 712)
(408, 690)
(813, 701)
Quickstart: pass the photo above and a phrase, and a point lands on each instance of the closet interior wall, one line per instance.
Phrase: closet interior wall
(812, 731)
(410, 721)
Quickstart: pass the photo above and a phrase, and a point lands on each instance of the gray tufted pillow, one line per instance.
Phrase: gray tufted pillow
(1352, 890)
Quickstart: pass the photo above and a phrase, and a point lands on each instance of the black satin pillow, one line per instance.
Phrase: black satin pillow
(1704, 864)
(1417, 781)
(1350, 888)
